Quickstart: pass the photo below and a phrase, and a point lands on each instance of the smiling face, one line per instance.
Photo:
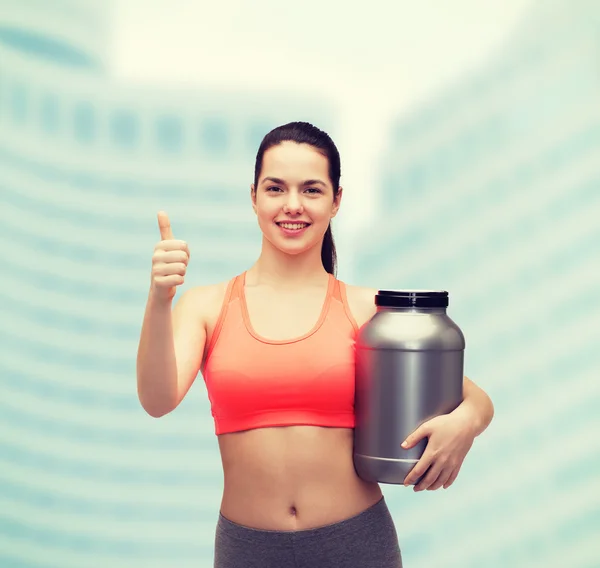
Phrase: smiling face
(294, 199)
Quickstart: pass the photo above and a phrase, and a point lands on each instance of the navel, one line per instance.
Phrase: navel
(293, 511)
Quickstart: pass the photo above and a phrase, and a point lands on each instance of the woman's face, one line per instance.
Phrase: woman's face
(294, 200)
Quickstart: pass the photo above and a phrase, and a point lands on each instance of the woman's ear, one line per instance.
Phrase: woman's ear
(336, 203)
(253, 196)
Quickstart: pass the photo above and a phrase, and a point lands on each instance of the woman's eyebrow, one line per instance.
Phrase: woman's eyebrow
(274, 180)
(282, 182)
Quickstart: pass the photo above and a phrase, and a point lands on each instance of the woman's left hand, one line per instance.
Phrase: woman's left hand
(450, 437)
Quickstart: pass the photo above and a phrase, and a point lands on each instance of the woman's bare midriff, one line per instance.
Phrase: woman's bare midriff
(292, 478)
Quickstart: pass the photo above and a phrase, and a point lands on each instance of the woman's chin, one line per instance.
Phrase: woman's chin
(293, 247)
(293, 250)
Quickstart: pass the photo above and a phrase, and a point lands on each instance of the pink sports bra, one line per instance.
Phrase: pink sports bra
(253, 382)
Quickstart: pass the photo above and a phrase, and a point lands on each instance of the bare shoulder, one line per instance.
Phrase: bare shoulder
(361, 301)
(202, 301)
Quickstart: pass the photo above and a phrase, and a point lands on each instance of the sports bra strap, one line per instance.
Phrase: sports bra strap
(236, 287)
(340, 289)
(229, 295)
(337, 291)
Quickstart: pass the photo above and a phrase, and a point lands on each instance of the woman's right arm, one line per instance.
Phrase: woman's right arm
(170, 350)
(172, 340)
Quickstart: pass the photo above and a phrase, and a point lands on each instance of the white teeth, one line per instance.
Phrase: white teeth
(293, 225)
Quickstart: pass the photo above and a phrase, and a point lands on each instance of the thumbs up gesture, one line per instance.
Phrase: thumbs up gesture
(169, 261)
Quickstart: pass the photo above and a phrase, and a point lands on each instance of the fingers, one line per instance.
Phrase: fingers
(169, 261)
(167, 275)
(168, 242)
(170, 268)
(416, 436)
(168, 281)
(432, 475)
(419, 469)
(172, 245)
(175, 255)
(164, 225)
(440, 473)
(442, 478)
(452, 477)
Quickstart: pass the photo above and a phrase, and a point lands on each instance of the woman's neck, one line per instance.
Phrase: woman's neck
(277, 268)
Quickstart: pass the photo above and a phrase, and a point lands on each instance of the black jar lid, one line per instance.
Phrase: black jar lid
(412, 298)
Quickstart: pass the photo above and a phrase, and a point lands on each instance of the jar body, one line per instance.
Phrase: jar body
(409, 369)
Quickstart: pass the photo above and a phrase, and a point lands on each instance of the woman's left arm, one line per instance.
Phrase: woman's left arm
(477, 405)
(450, 437)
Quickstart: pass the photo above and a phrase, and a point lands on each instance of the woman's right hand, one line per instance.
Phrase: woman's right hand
(169, 261)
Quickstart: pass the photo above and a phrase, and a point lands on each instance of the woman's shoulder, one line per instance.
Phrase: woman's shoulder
(361, 301)
(205, 300)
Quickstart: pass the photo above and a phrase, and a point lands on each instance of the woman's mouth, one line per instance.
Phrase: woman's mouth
(292, 228)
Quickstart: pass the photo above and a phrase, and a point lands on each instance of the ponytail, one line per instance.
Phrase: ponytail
(328, 254)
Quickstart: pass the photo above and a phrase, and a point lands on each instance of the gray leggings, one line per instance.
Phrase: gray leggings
(367, 540)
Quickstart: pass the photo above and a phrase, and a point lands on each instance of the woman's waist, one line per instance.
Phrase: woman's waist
(292, 475)
(277, 502)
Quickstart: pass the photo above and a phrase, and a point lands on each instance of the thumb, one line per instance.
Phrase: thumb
(165, 226)
(414, 438)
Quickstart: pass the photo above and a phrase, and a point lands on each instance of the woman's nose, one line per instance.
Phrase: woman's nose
(293, 203)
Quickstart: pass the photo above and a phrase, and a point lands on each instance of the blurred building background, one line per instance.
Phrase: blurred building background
(490, 189)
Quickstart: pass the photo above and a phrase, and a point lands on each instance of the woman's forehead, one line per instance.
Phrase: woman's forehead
(298, 162)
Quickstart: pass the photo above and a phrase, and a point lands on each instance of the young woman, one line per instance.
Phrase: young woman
(275, 347)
